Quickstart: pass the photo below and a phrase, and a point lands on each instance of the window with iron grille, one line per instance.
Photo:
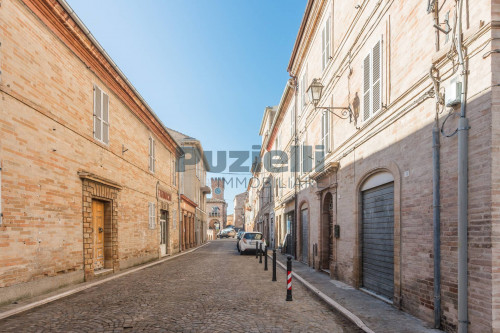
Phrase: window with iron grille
(101, 115)
(372, 82)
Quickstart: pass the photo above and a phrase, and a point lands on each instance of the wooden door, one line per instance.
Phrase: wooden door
(98, 228)
(163, 232)
(305, 235)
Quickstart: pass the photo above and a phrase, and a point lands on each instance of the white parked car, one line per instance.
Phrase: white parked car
(248, 240)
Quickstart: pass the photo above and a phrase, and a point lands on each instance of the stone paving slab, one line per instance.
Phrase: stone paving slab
(376, 314)
(213, 289)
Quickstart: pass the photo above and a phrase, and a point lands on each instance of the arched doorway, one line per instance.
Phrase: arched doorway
(327, 233)
(304, 233)
(377, 234)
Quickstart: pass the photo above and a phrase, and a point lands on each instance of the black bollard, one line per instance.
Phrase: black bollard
(289, 279)
(274, 264)
(265, 258)
(260, 253)
(256, 249)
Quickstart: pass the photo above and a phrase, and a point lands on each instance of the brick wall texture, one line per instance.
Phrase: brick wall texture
(46, 138)
(398, 140)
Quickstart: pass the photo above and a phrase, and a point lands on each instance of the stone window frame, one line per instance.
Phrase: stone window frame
(95, 187)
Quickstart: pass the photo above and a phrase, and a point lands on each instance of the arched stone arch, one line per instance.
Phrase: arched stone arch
(211, 225)
(370, 179)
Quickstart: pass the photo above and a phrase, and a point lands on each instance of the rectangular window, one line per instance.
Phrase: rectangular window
(152, 159)
(174, 178)
(302, 157)
(152, 215)
(198, 166)
(181, 175)
(292, 121)
(277, 142)
(326, 44)
(303, 90)
(101, 115)
(372, 82)
(325, 132)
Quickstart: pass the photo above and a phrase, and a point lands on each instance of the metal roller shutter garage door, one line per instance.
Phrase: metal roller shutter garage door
(378, 240)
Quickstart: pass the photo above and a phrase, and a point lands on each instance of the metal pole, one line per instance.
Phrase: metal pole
(289, 278)
(256, 249)
(437, 227)
(274, 265)
(463, 172)
(265, 258)
(463, 321)
(260, 253)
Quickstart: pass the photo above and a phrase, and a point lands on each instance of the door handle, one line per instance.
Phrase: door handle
(101, 229)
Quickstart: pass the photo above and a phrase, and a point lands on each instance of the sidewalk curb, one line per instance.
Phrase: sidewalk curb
(47, 300)
(351, 316)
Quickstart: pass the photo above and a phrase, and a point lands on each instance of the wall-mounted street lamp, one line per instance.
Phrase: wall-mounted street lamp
(315, 91)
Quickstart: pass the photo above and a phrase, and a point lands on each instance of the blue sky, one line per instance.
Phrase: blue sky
(208, 68)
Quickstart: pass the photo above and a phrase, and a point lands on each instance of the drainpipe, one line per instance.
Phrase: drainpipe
(436, 221)
(463, 150)
(294, 224)
(436, 22)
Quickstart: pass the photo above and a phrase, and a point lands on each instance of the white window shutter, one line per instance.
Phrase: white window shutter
(326, 132)
(366, 87)
(377, 78)
(323, 48)
(149, 214)
(97, 113)
(152, 215)
(327, 40)
(105, 118)
(323, 129)
(151, 154)
(154, 155)
(153, 222)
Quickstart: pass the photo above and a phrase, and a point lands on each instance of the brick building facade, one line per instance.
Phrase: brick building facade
(88, 183)
(363, 211)
(239, 209)
(217, 205)
(193, 167)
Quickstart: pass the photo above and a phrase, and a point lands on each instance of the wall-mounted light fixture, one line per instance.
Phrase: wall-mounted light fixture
(315, 91)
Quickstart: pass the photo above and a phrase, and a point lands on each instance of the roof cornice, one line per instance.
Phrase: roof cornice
(188, 201)
(280, 114)
(63, 22)
(310, 22)
(301, 32)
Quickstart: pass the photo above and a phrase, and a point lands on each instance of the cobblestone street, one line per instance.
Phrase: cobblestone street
(213, 289)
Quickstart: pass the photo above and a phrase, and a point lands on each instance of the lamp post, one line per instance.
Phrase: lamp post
(315, 91)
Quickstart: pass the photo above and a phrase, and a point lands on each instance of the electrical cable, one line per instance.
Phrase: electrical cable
(444, 122)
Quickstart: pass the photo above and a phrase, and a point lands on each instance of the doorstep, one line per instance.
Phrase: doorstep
(369, 313)
(103, 272)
